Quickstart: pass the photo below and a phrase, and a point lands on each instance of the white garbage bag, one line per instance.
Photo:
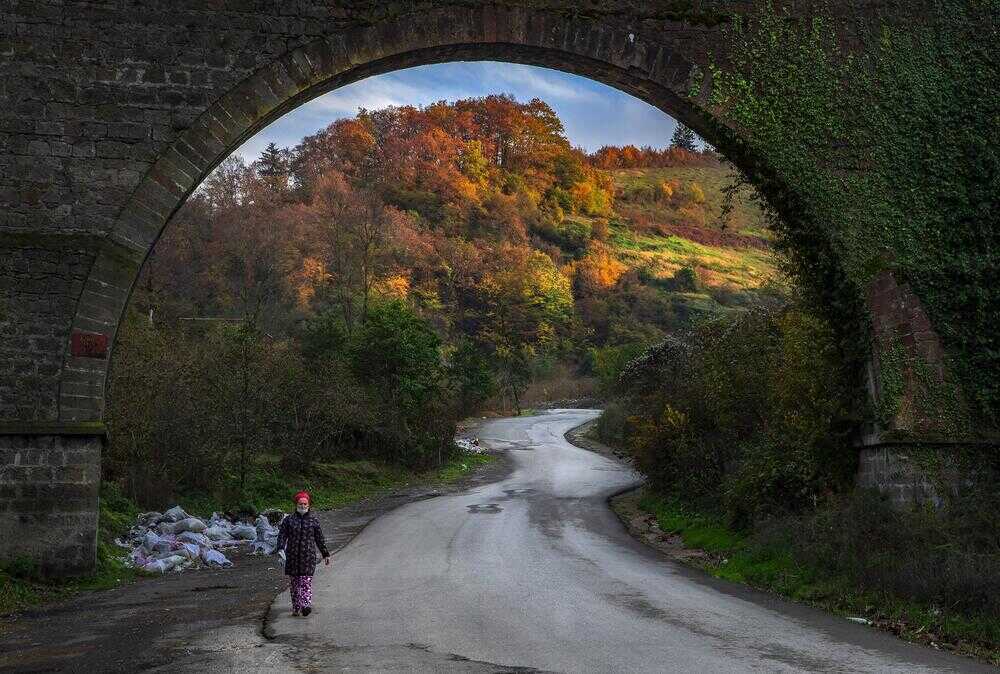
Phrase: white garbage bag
(175, 514)
(267, 537)
(193, 537)
(188, 524)
(140, 557)
(154, 543)
(244, 532)
(164, 565)
(217, 532)
(168, 554)
(190, 550)
(214, 558)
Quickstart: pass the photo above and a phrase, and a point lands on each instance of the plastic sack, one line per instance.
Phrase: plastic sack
(188, 524)
(267, 537)
(164, 565)
(175, 514)
(214, 558)
(140, 557)
(217, 532)
(245, 532)
(154, 543)
(193, 537)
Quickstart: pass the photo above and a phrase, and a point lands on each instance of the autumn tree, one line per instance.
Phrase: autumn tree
(525, 304)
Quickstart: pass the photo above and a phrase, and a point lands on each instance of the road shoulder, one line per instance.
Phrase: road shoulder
(199, 620)
(643, 526)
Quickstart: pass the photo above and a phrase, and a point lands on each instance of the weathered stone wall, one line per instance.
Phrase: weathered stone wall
(48, 500)
(39, 290)
(892, 471)
(909, 381)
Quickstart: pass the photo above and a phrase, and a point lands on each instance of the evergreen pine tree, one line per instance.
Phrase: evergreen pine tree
(684, 138)
(273, 164)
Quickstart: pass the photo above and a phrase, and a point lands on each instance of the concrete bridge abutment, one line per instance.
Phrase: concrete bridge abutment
(49, 485)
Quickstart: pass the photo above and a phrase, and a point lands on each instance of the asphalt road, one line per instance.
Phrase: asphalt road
(536, 573)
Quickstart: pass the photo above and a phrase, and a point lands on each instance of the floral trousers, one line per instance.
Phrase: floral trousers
(301, 591)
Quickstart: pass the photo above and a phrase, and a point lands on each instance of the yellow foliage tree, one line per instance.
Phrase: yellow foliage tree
(600, 269)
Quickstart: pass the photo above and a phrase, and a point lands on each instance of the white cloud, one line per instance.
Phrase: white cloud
(540, 82)
(373, 93)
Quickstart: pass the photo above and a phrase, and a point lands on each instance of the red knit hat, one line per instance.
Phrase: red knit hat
(302, 494)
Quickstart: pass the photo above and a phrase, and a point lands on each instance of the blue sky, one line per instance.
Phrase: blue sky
(594, 114)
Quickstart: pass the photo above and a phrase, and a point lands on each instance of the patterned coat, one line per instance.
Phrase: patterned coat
(299, 536)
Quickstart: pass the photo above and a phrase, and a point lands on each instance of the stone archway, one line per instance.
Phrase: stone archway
(657, 72)
(128, 121)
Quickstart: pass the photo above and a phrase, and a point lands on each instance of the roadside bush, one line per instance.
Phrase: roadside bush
(607, 363)
(217, 408)
(949, 558)
(747, 412)
(611, 425)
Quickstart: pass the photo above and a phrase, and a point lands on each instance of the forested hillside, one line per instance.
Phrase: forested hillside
(357, 293)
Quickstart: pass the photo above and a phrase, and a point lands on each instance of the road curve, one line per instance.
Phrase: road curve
(535, 573)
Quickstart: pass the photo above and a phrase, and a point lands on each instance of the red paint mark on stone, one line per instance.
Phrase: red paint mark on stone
(88, 345)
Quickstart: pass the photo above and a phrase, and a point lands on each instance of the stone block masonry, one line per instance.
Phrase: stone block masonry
(892, 471)
(49, 488)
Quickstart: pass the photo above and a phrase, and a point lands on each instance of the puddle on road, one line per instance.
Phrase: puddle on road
(498, 443)
(518, 492)
(484, 508)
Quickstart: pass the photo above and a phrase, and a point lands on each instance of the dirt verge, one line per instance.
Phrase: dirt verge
(158, 621)
(640, 524)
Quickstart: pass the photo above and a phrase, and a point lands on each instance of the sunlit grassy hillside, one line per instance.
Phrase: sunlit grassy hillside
(672, 218)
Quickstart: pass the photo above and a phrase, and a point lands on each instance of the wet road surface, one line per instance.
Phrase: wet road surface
(535, 573)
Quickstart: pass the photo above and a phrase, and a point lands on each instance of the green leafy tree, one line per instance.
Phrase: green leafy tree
(399, 352)
(525, 303)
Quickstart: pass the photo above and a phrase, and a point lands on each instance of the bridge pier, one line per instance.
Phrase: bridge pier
(913, 449)
(50, 477)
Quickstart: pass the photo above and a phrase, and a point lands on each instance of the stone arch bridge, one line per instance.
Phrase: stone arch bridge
(112, 112)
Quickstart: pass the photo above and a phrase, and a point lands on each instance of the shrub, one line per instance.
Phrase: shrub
(949, 558)
(686, 280)
(611, 425)
(749, 412)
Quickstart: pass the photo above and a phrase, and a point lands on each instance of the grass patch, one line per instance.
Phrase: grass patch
(771, 566)
(463, 465)
(713, 179)
(331, 484)
(735, 267)
(22, 585)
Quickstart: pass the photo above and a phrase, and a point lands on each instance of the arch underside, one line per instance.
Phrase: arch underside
(656, 73)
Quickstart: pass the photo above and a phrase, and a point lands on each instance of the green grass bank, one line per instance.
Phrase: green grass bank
(768, 560)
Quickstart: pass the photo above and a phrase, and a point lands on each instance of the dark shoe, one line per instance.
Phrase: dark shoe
(307, 610)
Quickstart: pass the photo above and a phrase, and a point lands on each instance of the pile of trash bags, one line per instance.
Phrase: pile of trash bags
(470, 445)
(174, 540)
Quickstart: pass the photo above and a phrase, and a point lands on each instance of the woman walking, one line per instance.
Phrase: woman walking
(299, 535)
